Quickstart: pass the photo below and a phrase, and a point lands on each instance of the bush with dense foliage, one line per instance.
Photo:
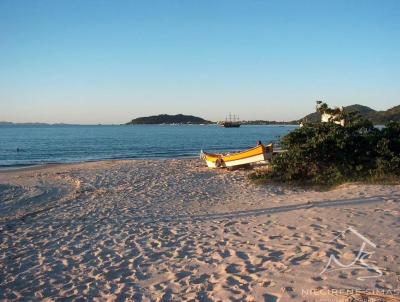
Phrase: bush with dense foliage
(328, 154)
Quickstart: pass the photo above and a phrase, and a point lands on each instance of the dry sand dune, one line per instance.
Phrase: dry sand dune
(175, 231)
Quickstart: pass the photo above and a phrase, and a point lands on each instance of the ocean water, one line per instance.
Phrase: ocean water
(65, 144)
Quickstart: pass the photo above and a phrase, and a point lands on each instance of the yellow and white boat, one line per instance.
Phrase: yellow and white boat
(256, 154)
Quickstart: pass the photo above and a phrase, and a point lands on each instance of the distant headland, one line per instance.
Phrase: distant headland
(46, 124)
(376, 117)
(168, 119)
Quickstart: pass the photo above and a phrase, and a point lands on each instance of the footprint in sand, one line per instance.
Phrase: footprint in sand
(270, 298)
(181, 275)
(300, 260)
(242, 255)
(276, 255)
(234, 269)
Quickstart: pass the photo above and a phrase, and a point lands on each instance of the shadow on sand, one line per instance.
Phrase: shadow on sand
(273, 210)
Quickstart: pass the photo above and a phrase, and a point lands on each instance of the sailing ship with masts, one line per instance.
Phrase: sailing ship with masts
(232, 122)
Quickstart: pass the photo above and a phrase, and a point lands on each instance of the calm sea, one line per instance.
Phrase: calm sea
(65, 144)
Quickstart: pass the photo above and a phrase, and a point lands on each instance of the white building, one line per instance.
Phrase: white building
(332, 117)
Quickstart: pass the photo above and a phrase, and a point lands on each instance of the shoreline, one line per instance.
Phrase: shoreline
(176, 230)
(28, 167)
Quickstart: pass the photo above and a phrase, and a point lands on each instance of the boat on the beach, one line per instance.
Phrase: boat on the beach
(257, 154)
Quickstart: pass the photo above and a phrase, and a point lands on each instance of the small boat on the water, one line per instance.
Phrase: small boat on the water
(257, 154)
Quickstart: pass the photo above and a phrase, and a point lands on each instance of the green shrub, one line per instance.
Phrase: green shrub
(329, 154)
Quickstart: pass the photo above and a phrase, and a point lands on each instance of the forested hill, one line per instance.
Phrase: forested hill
(168, 119)
(382, 117)
(377, 117)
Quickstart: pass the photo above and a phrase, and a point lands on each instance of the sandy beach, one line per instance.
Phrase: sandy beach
(173, 230)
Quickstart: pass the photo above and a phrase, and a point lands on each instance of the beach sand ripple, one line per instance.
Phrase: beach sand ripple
(172, 230)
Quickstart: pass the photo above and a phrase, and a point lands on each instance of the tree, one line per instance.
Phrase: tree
(327, 153)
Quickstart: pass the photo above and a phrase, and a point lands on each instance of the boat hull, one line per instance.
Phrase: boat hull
(230, 125)
(257, 154)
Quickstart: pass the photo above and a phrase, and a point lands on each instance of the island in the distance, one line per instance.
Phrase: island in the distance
(168, 119)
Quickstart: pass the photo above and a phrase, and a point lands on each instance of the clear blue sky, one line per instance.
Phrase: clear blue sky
(110, 61)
